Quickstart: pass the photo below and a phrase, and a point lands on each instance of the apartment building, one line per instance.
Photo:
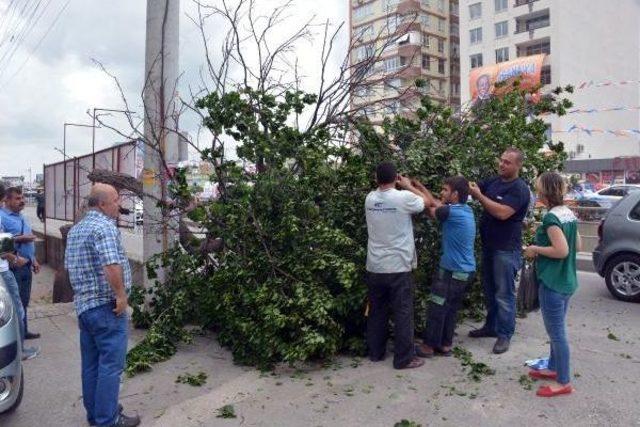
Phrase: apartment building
(585, 41)
(408, 40)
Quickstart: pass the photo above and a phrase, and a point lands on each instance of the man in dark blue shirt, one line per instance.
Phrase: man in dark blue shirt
(505, 199)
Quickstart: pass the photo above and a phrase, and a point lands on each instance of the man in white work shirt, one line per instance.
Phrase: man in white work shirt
(391, 256)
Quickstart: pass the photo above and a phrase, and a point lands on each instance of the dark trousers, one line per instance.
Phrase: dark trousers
(447, 295)
(390, 292)
(40, 213)
(24, 278)
(103, 348)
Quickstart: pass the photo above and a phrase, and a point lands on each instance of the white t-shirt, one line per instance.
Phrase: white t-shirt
(4, 264)
(391, 248)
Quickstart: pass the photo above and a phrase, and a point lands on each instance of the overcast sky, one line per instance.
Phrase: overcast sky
(50, 78)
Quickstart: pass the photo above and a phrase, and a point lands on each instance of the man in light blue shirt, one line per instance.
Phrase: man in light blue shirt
(16, 224)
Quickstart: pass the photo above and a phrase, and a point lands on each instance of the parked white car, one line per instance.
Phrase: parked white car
(607, 197)
(11, 375)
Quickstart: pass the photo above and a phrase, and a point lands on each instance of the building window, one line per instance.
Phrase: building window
(475, 11)
(476, 35)
(441, 87)
(501, 5)
(426, 62)
(502, 29)
(393, 64)
(364, 33)
(441, 66)
(454, 29)
(441, 5)
(365, 52)
(476, 60)
(455, 50)
(392, 23)
(425, 20)
(363, 11)
(441, 45)
(441, 24)
(390, 4)
(393, 107)
(533, 23)
(535, 49)
(364, 91)
(455, 89)
(426, 41)
(502, 54)
(545, 75)
(393, 85)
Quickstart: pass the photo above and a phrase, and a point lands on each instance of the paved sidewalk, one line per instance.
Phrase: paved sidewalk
(355, 392)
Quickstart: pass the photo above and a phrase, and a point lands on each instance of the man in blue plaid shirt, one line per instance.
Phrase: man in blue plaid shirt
(100, 275)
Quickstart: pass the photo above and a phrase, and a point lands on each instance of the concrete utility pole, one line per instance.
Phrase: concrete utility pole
(161, 122)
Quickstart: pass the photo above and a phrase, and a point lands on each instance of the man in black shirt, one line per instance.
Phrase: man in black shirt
(505, 199)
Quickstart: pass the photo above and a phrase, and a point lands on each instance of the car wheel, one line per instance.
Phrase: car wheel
(19, 398)
(623, 277)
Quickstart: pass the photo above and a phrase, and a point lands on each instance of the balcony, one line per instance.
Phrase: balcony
(523, 2)
(532, 21)
(536, 47)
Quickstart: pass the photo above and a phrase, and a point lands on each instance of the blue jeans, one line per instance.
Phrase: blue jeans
(103, 346)
(24, 278)
(12, 287)
(499, 270)
(554, 307)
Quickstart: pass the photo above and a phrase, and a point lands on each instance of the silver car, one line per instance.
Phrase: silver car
(617, 256)
(11, 375)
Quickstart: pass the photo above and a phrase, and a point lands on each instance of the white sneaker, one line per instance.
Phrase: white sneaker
(29, 353)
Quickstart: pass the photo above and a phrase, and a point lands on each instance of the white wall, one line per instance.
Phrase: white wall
(590, 40)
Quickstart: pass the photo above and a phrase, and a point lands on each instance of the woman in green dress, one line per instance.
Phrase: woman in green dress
(556, 243)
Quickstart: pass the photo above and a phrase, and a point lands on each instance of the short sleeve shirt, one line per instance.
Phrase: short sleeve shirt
(458, 238)
(92, 244)
(504, 235)
(17, 224)
(4, 264)
(391, 247)
(558, 274)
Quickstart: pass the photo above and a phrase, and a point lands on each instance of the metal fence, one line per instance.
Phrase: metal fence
(66, 183)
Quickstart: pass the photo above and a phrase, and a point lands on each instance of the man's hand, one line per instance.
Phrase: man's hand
(474, 190)
(121, 305)
(20, 262)
(403, 182)
(418, 184)
(35, 266)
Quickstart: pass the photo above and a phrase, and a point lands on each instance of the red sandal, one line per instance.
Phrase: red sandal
(542, 376)
(547, 391)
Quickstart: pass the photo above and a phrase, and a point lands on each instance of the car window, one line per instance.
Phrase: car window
(635, 212)
(619, 192)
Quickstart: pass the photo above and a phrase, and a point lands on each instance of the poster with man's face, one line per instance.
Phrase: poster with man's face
(526, 70)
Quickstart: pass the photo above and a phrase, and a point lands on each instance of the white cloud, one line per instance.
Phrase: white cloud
(60, 82)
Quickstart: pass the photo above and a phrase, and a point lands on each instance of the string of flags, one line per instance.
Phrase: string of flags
(596, 110)
(590, 131)
(591, 83)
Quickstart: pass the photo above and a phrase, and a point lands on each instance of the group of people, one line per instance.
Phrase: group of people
(17, 268)
(505, 199)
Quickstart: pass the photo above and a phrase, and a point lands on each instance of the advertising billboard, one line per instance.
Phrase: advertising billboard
(527, 70)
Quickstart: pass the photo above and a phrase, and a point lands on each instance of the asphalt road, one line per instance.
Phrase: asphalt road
(354, 392)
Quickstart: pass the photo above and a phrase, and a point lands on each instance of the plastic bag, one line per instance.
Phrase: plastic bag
(527, 298)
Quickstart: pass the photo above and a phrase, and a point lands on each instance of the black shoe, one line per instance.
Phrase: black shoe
(125, 421)
(31, 336)
(501, 345)
(482, 333)
(120, 409)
